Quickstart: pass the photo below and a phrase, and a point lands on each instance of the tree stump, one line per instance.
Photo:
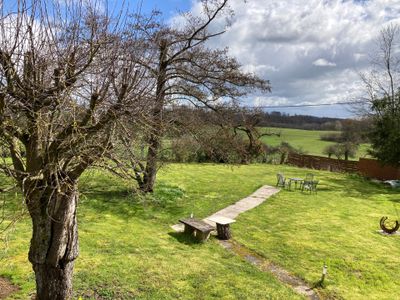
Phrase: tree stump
(223, 226)
(224, 231)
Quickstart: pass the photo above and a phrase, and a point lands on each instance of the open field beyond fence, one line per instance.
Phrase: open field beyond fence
(307, 140)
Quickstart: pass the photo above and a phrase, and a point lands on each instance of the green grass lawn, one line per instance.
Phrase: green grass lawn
(129, 251)
(307, 140)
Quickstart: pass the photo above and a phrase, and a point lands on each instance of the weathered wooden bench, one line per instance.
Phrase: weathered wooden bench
(223, 226)
(197, 228)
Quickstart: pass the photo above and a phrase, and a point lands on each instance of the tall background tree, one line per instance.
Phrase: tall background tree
(187, 71)
(68, 73)
(383, 101)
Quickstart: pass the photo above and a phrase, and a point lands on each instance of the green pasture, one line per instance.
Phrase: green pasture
(306, 140)
(129, 251)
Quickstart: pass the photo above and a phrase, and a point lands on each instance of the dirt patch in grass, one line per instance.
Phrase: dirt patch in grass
(266, 266)
(6, 288)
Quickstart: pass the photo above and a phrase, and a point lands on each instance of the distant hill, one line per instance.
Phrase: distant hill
(282, 120)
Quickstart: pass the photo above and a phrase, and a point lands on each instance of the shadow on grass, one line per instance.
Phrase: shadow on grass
(164, 203)
(396, 201)
(356, 186)
(184, 238)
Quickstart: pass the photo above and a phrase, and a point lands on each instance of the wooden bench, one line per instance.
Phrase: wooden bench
(223, 228)
(197, 228)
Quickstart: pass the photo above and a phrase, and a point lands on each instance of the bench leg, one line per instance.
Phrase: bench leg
(202, 236)
(188, 229)
(224, 232)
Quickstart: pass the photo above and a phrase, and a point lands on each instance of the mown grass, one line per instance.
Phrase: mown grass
(306, 140)
(339, 227)
(128, 250)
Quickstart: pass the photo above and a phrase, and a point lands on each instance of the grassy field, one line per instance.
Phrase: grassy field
(307, 140)
(129, 251)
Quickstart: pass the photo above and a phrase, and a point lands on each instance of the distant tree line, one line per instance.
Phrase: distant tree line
(278, 119)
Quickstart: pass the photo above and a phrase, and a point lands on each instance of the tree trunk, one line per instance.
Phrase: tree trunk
(283, 158)
(54, 244)
(150, 174)
(156, 134)
(53, 282)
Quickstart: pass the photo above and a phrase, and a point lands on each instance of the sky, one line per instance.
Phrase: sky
(168, 7)
(312, 51)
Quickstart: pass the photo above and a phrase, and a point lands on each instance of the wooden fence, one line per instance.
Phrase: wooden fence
(370, 168)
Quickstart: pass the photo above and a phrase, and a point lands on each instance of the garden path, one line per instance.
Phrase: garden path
(232, 211)
(250, 202)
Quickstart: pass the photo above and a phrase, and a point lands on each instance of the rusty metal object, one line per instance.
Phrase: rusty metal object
(389, 228)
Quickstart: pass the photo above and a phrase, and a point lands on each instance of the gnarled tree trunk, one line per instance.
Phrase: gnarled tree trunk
(54, 244)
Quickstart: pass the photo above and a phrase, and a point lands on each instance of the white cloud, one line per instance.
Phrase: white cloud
(322, 62)
(270, 101)
(310, 50)
(259, 69)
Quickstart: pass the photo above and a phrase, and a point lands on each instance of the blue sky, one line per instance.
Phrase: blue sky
(168, 7)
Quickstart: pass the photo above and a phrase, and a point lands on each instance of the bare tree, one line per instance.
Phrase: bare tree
(248, 121)
(67, 75)
(382, 84)
(232, 129)
(382, 81)
(187, 71)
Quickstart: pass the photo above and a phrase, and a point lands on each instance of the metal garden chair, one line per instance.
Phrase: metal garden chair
(310, 186)
(280, 180)
(309, 178)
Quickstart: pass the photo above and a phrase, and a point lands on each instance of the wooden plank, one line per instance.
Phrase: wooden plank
(197, 224)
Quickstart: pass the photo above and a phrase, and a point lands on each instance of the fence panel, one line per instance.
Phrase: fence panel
(322, 163)
(370, 168)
